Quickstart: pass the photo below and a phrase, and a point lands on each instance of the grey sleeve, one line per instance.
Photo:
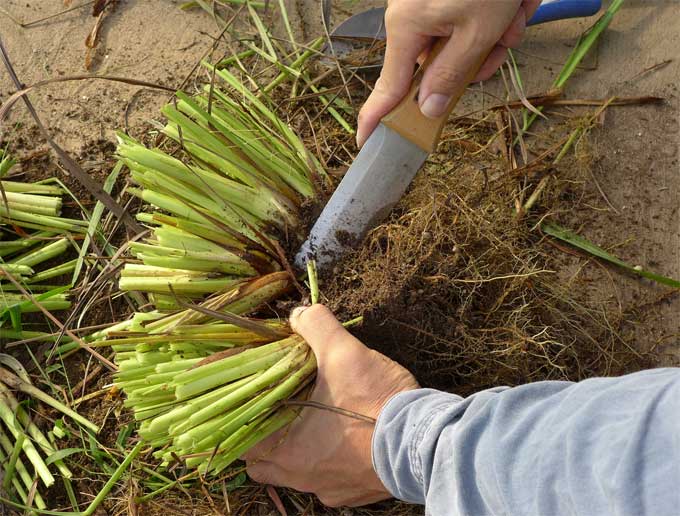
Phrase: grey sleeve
(599, 447)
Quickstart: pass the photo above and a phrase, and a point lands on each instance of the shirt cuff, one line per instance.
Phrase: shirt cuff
(402, 425)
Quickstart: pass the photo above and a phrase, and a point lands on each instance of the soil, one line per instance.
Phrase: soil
(620, 190)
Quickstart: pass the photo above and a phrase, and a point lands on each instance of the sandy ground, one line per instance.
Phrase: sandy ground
(635, 152)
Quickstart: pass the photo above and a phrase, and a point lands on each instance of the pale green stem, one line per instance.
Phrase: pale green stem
(48, 252)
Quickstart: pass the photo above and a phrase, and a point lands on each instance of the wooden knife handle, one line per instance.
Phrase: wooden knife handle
(406, 118)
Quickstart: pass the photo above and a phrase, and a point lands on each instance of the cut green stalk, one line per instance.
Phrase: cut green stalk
(583, 46)
(31, 188)
(13, 246)
(11, 464)
(24, 476)
(579, 242)
(11, 423)
(190, 432)
(295, 65)
(8, 334)
(15, 382)
(54, 272)
(16, 269)
(228, 61)
(188, 285)
(9, 301)
(255, 434)
(182, 412)
(35, 434)
(42, 222)
(229, 369)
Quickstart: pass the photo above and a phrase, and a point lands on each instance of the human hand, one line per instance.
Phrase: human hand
(473, 28)
(323, 452)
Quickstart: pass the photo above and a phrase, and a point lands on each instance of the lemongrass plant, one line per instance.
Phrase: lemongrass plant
(205, 382)
(222, 205)
(33, 232)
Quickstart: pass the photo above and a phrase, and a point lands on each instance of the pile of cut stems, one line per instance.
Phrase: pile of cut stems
(33, 233)
(28, 455)
(206, 390)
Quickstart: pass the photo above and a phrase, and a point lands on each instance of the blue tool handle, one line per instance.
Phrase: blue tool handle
(551, 10)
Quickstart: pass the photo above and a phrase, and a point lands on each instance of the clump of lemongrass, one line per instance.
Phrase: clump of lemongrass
(205, 382)
(25, 452)
(224, 202)
(34, 206)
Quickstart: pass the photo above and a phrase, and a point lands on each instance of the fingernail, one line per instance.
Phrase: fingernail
(360, 139)
(297, 311)
(434, 105)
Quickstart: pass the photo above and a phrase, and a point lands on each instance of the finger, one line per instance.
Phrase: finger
(322, 331)
(395, 79)
(265, 448)
(530, 7)
(449, 73)
(515, 32)
(496, 58)
(266, 473)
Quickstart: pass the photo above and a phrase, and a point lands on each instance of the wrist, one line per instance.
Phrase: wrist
(401, 427)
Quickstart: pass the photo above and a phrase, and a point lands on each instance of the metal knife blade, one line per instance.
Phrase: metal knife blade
(379, 176)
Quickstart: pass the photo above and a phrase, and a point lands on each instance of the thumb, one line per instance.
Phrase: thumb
(446, 78)
(322, 331)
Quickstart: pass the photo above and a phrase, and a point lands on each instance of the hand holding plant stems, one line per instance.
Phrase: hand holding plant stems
(326, 452)
(205, 383)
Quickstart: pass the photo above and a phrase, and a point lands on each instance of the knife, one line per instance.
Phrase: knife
(393, 154)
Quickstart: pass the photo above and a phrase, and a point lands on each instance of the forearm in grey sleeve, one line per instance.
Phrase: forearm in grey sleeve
(599, 447)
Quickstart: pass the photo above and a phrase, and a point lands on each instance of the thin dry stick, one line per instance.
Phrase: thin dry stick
(82, 384)
(25, 25)
(16, 343)
(553, 99)
(9, 103)
(286, 265)
(337, 410)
